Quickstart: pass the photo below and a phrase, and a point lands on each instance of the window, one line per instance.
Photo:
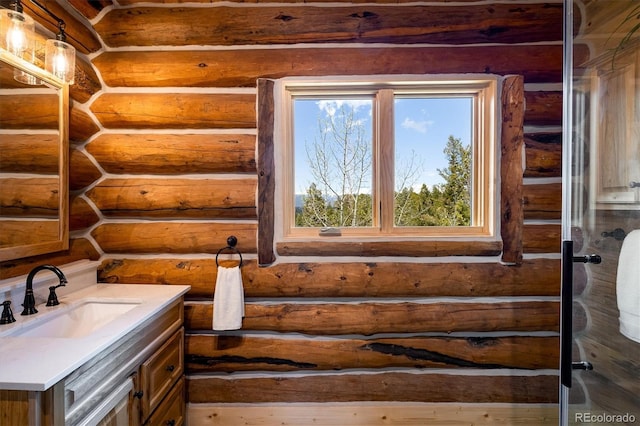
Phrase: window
(386, 158)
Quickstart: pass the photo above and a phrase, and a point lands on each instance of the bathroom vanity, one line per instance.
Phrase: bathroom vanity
(109, 354)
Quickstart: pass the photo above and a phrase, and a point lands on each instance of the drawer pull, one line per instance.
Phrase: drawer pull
(170, 367)
(170, 422)
(139, 394)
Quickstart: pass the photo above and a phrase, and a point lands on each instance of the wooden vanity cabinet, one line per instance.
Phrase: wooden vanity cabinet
(144, 370)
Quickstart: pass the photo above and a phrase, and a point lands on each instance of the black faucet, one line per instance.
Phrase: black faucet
(7, 314)
(29, 301)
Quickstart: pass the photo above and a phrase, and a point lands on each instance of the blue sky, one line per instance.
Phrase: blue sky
(422, 129)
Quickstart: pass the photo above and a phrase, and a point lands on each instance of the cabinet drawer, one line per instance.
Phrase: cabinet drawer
(161, 371)
(171, 410)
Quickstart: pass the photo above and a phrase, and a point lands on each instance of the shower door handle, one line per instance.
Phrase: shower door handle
(566, 312)
(589, 258)
(582, 365)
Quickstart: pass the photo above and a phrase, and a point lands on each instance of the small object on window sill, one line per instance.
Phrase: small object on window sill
(329, 232)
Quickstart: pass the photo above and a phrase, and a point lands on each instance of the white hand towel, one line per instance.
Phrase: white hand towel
(228, 300)
(628, 286)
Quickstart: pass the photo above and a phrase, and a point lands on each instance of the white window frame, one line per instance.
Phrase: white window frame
(485, 90)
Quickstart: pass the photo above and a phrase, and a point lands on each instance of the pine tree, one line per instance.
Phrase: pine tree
(456, 190)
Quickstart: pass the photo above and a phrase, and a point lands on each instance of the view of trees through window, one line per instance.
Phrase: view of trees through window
(337, 163)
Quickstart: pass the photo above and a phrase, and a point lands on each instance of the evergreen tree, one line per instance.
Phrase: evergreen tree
(456, 190)
(314, 211)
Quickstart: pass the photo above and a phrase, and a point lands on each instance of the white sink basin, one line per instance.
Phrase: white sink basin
(78, 320)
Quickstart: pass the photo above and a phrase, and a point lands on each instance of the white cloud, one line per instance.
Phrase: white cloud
(331, 106)
(418, 126)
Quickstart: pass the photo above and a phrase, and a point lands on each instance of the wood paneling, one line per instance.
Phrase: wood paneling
(375, 414)
(18, 233)
(173, 237)
(543, 201)
(511, 148)
(541, 238)
(231, 353)
(476, 23)
(176, 198)
(543, 108)
(368, 318)
(390, 386)
(174, 154)
(86, 81)
(543, 155)
(82, 171)
(175, 110)
(90, 9)
(36, 197)
(81, 214)
(538, 277)
(266, 172)
(23, 110)
(33, 153)
(242, 67)
(81, 125)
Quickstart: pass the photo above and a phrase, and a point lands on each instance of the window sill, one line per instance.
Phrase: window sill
(326, 246)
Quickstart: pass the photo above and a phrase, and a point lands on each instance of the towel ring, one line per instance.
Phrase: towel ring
(231, 245)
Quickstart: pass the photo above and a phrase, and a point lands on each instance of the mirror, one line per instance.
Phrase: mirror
(34, 200)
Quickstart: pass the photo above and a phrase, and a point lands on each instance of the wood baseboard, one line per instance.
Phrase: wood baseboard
(371, 414)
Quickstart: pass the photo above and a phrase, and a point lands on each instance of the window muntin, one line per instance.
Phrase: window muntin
(378, 107)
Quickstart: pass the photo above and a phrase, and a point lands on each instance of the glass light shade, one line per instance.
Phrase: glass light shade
(16, 33)
(26, 77)
(60, 60)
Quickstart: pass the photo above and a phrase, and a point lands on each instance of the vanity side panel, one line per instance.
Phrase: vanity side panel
(14, 408)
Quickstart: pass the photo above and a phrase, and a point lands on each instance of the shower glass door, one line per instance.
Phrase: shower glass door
(601, 207)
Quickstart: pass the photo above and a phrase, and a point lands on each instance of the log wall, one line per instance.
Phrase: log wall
(164, 168)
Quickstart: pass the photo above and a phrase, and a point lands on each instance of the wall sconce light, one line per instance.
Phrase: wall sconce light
(60, 56)
(17, 36)
(16, 31)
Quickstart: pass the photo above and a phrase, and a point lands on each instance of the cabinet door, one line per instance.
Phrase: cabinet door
(171, 410)
(161, 371)
(617, 107)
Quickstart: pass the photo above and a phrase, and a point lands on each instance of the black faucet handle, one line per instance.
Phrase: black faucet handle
(7, 314)
(52, 300)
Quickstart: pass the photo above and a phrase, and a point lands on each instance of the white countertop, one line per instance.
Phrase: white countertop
(37, 363)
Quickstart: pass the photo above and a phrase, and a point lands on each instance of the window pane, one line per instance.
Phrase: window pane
(333, 151)
(433, 161)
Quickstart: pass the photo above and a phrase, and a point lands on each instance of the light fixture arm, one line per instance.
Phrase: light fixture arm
(62, 36)
(16, 6)
(59, 21)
